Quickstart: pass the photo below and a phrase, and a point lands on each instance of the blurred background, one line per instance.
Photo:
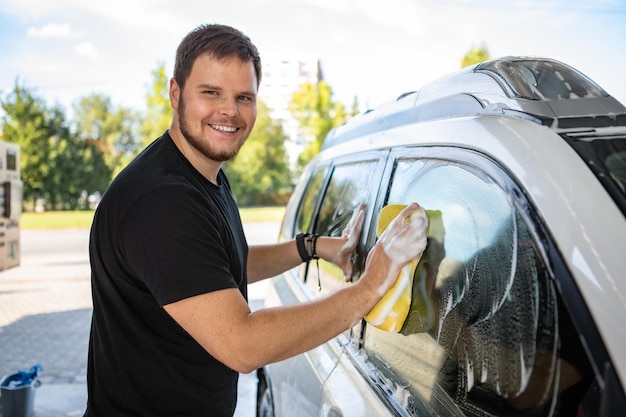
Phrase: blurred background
(83, 84)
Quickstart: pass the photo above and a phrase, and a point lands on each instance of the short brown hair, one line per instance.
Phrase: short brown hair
(219, 41)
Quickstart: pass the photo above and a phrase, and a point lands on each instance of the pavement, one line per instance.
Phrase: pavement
(45, 315)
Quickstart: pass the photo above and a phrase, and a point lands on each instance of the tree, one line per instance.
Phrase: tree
(475, 55)
(110, 131)
(55, 164)
(355, 107)
(69, 165)
(316, 112)
(259, 174)
(159, 111)
(25, 122)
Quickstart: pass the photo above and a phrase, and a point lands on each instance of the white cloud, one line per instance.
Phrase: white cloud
(53, 30)
(87, 50)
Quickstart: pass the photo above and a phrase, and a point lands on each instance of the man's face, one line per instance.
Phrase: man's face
(216, 110)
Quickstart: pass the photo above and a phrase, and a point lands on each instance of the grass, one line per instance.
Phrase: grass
(56, 220)
(82, 219)
(262, 214)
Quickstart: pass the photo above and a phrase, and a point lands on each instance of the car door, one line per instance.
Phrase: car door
(334, 189)
(487, 333)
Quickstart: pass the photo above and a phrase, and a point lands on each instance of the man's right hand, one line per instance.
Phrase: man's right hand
(403, 240)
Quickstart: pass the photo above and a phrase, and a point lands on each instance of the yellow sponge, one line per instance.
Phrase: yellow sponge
(392, 310)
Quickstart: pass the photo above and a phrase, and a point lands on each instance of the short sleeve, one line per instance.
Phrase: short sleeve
(173, 240)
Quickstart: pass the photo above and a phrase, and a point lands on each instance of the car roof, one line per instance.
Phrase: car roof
(543, 90)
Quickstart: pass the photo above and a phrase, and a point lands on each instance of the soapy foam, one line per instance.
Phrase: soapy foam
(394, 295)
(403, 239)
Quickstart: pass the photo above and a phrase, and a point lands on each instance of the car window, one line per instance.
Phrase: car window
(306, 210)
(484, 332)
(350, 185)
(606, 157)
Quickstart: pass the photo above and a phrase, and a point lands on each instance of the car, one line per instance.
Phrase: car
(519, 301)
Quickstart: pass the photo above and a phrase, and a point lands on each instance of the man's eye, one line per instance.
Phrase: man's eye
(245, 98)
(211, 92)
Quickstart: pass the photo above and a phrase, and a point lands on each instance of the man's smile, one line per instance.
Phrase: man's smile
(223, 128)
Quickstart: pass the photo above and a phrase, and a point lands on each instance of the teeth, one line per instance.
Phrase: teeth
(222, 128)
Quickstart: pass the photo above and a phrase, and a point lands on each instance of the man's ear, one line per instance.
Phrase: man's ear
(174, 93)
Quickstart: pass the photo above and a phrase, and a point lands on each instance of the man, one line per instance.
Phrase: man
(171, 326)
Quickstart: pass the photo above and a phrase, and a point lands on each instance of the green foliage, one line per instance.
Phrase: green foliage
(110, 131)
(52, 159)
(159, 111)
(259, 174)
(69, 167)
(316, 112)
(26, 122)
(60, 166)
(475, 55)
(355, 107)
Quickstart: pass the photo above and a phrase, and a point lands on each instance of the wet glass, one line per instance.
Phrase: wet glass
(349, 186)
(482, 335)
(304, 217)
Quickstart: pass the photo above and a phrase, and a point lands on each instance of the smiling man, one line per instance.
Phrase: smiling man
(170, 264)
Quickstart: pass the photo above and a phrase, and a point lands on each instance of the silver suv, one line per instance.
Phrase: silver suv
(518, 305)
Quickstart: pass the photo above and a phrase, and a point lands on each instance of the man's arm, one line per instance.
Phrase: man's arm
(265, 261)
(223, 324)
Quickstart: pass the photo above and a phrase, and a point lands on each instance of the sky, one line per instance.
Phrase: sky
(370, 49)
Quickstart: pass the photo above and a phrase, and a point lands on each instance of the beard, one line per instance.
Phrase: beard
(203, 145)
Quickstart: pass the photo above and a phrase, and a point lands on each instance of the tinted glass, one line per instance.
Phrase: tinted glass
(350, 185)
(304, 217)
(543, 79)
(615, 164)
(606, 158)
(482, 336)
(11, 160)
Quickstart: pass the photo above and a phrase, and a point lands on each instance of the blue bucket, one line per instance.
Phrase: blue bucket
(17, 392)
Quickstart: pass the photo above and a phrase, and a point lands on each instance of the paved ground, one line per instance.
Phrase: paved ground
(45, 313)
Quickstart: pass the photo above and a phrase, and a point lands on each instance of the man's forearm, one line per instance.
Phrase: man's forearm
(266, 261)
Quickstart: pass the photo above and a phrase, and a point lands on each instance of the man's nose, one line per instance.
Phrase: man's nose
(229, 107)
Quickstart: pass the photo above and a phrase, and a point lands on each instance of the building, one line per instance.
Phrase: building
(281, 78)
(10, 205)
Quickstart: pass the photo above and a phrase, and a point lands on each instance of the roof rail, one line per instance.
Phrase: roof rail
(542, 90)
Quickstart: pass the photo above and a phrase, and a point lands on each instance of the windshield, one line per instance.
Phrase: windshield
(541, 79)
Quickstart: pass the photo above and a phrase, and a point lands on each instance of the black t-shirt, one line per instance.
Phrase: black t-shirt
(161, 233)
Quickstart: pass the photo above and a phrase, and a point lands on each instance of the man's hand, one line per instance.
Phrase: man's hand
(403, 240)
(340, 250)
(352, 234)
(405, 237)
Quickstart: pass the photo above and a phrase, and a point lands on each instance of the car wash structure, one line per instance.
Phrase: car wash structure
(10, 205)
